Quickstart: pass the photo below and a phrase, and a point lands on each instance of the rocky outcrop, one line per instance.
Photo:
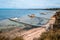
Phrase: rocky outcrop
(57, 22)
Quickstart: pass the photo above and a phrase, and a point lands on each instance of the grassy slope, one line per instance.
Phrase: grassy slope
(55, 33)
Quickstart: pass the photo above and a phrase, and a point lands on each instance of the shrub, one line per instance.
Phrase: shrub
(18, 38)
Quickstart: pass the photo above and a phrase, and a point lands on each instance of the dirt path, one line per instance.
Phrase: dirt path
(33, 33)
(27, 35)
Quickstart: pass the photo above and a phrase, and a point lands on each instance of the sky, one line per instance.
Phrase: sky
(26, 4)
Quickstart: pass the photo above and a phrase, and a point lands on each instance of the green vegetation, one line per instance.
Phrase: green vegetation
(51, 35)
(18, 38)
(6, 38)
(52, 9)
(57, 23)
(55, 33)
(3, 38)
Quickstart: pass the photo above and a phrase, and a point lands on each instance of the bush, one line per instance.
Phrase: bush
(3, 38)
(6, 38)
(51, 35)
(55, 33)
(18, 38)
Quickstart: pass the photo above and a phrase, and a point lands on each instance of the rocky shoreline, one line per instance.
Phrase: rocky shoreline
(10, 35)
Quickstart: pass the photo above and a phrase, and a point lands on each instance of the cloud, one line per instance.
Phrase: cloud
(54, 4)
(29, 3)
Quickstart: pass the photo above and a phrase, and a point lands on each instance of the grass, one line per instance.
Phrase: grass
(55, 33)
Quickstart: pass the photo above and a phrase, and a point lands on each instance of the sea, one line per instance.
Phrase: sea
(8, 13)
(5, 14)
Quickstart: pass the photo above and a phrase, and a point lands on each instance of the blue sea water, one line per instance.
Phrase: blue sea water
(37, 21)
(8, 13)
